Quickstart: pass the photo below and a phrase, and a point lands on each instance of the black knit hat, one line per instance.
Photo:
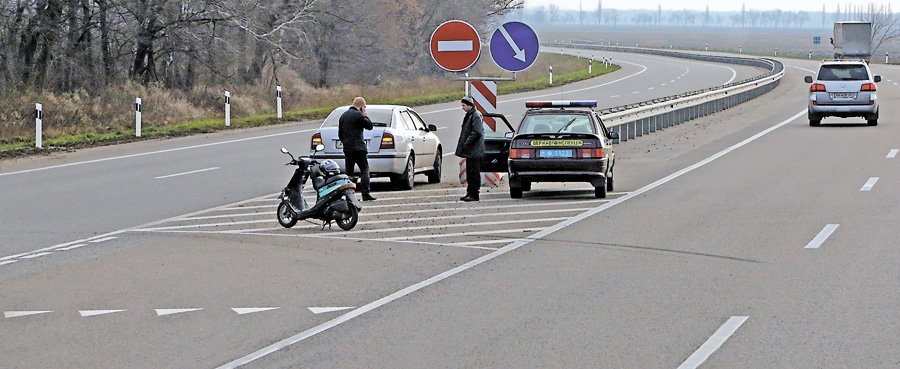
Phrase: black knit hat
(468, 101)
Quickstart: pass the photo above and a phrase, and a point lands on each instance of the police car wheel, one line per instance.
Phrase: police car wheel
(600, 191)
(515, 193)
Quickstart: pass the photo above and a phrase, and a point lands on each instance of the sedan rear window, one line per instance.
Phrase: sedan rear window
(557, 123)
(843, 73)
(379, 117)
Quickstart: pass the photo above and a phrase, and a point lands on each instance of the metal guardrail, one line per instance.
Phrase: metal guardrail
(635, 120)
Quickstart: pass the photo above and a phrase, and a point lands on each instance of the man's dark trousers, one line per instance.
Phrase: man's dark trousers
(473, 177)
(359, 158)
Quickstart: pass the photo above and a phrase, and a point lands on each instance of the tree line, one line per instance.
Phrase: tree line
(67, 45)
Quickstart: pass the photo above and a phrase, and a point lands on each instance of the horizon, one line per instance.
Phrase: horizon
(696, 5)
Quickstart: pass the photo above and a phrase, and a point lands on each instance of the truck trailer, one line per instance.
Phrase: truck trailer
(852, 40)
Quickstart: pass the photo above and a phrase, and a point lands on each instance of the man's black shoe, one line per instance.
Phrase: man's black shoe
(367, 197)
(469, 198)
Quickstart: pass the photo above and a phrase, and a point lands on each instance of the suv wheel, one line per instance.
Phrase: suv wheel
(872, 120)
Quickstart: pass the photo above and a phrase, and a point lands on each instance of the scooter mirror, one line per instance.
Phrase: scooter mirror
(320, 147)
(284, 151)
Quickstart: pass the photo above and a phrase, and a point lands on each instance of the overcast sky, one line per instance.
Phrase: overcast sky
(726, 5)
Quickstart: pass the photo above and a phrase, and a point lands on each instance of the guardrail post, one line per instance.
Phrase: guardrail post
(227, 109)
(137, 117)
(38, 126)
(639, 128)
(278, 101)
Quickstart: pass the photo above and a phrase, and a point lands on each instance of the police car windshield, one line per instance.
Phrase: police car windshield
(843, 73)
(378, 116)
(557, 123)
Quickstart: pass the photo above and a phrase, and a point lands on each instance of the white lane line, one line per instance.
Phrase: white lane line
(7, 262)
(104, 239)
(733, 74)
(157, 152)
(87, 313)
(36, 255)
(663, 84)
(73, 247)
(869, 184)
(320, 310)
(242, 311)
(892, 154)
(713, 343)
(444, 226)
(672, 81)
(161, 312)
(489, 242)
(822, 236)
(463, 234)
(613, 96)
(636, 92)
(186, 173)
(651, 88)
(16, 314)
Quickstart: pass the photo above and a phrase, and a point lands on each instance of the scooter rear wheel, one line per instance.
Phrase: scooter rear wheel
(286, 216)
(350, 222)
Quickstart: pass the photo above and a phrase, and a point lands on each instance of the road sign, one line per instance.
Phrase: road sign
(817, 40)
(514, 46)
(455, 46)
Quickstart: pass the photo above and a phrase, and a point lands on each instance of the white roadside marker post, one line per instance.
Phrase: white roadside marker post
(278, 100)
(740, 49)
(885, 57)
(137, 117)
(776, 51)
(707, 47)
(810, 55)
(591, 66)
(467, 85)
(38, 126)
(227, 109)
(551, 75)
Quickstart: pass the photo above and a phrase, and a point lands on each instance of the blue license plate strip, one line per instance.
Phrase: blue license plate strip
(555, 153)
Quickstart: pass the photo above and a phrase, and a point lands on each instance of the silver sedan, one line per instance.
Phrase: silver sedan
(400, 146)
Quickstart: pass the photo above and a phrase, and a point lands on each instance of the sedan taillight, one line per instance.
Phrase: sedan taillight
(316, 141)
(817, 87)
(590, 153)
(387, 141)
(868, 87)
(521, 153)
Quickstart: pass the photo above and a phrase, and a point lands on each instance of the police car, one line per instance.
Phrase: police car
(559, 141)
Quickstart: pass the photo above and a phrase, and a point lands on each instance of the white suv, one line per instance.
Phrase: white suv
(843, 88)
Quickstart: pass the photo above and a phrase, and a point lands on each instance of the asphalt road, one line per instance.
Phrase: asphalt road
(714, 251)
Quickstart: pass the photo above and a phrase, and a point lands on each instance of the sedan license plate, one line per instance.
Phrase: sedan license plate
(556, 153)
(843, 95)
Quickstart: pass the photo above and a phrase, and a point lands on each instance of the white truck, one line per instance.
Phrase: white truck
(852, 40)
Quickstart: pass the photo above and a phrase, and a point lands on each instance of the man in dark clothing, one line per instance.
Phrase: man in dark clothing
(471, 147)
(350, 132)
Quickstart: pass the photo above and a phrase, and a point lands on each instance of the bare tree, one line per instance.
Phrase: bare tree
(885, 25)
(553, 12)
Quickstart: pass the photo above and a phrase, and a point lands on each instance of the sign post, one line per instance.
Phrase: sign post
(137, 117)
(38, 126)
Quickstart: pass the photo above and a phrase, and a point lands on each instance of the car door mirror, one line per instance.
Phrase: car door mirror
(807, 79)
(877, 79)
(614, 135)
(432, 128)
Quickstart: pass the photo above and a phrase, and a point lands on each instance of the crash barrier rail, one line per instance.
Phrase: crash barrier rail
(637, 119)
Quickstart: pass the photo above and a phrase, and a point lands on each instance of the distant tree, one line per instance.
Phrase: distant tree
(802, 18)
(658, 14)
(823, 15)
(580, 14)
(540, 15)
(599, 12)
(612, 16)
(836, 17)
(720, 18)
(743, 10)
(689, 17)
(706, 17)
(885, 25)
(735, 19)
(677, 17)
(553, 12)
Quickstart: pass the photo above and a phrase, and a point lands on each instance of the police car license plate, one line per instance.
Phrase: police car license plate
(844, 95)
(556, 153)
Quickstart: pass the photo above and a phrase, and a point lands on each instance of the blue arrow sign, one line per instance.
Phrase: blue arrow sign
(514, 46)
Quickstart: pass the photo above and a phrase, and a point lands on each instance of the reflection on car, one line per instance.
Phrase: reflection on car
(400, 146)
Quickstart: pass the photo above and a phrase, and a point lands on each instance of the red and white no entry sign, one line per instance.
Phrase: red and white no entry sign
(455, 46)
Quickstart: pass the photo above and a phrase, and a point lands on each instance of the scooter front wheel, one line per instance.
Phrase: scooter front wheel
(286, 216)
(350, 222)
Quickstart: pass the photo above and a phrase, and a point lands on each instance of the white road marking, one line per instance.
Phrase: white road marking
(672, 81)
(161, 312)
(242, 311)
(16, 314)
(713, 343)
(87, 313)
(869, 184)
(483, 259)
(320, 310)
(7, 262)
(157, 152)
(892, 154)
(186, 173)
(636, 92)
(651, 88)
(733, 75)
(36, 255)
(822, 236)
(663, 84)
(463, 234)
(489, 242)
(104, 239)
(73, 247)
(613, 96)
(449, 46)
(443, 226)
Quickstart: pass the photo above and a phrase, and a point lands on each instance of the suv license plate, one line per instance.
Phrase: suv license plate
(844, 95)
(556, 153)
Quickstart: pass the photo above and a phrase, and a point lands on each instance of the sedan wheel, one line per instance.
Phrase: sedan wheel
(434, 176)
(406, 180)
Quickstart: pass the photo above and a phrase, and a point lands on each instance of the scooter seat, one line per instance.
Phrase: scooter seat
(336, 178)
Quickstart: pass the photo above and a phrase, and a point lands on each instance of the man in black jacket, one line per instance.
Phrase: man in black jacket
(350, 132)
(471, 147)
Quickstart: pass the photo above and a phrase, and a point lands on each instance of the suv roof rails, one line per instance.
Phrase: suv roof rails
(844, 60)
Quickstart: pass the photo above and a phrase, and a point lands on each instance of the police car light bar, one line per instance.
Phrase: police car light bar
(561, 104)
